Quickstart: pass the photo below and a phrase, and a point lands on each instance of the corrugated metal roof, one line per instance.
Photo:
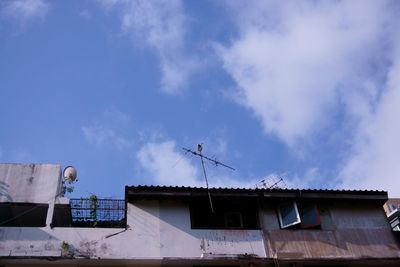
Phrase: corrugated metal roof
(193, 188)
(187, 191)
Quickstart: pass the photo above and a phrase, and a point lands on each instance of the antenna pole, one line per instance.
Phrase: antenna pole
(208, 189)
(202, 157)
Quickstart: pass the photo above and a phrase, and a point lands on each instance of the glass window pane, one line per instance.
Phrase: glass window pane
(288, 215)
(309, 215)
(391, 207)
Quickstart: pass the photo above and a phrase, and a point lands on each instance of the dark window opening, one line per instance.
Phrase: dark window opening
(294, 215)
(23, 214)
(309, 215)
(228, 214)
(233, 220)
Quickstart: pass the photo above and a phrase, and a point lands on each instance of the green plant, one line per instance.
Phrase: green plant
(93, 213)
(70, 189)
(64, 245)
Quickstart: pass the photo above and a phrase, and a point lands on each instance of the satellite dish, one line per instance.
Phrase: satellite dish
(70, 174)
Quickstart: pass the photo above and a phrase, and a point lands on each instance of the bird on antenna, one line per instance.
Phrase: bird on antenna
(202, 157)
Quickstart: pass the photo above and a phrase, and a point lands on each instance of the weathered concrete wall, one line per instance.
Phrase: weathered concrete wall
(158, 230)
(347, 231)
(33, 183)
(175, 230)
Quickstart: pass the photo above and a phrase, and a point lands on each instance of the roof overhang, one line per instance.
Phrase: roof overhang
(155, 192)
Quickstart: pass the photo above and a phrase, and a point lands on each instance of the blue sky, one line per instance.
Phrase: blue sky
(307, 90)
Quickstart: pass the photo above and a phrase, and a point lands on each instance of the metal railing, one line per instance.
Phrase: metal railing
(98, 212)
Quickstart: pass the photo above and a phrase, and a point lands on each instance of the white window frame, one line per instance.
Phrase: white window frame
(297, 216)
(391, 207)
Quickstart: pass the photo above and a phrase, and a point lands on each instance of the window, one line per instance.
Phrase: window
(391, 207)
(23, 214)
(288, 215)
(233, 220)
(228, 214)
(309, 215)
(305, 215)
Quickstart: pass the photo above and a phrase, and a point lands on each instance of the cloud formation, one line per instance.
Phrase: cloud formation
(374, 160)
(166, 165)
(104, 133)
(299, 66)
(296, 63)
(24, 11)
(100, 135)
(161, 24)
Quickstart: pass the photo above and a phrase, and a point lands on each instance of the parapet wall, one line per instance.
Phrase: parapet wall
(29, 183)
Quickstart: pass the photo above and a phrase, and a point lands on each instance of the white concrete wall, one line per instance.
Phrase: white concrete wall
(29, 183)
(158, 229)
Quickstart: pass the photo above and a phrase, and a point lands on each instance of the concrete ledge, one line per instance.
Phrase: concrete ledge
(5, 253)
(29, 253)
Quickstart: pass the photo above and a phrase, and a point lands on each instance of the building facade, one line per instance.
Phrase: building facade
(392, 210)
(187, 226)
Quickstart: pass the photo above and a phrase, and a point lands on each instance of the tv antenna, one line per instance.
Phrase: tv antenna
(273, 181)
(202, 157)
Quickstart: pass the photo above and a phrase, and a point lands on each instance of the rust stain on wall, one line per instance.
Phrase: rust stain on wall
(343, 243)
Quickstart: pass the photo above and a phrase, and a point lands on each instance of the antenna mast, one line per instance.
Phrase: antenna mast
(274, 181)
(202, 157)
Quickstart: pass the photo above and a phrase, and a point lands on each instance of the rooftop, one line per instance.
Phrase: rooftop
(186, 191)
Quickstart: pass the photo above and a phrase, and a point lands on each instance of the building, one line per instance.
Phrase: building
(391, 205)
(156, 226)
(392, 210)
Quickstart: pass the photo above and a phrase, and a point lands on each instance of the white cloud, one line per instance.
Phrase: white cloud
(310, 179)
(374, 161)
(160, 160)
(222, 146)
(167, 165)
(297, 63)
(106, 132)
(85, 14)
(303, 66)
(25, 11)
(161, 24)
(113, 114)
(100, 135)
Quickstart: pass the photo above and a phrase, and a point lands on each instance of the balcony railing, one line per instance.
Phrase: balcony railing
(91, 212)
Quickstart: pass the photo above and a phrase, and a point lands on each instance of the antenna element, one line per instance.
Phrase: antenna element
(202, 157)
